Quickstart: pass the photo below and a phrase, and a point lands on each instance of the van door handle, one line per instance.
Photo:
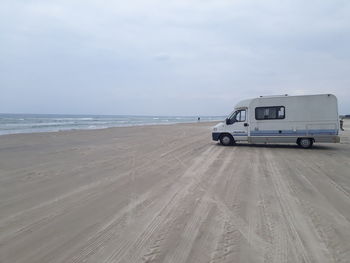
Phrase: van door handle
(246, 124)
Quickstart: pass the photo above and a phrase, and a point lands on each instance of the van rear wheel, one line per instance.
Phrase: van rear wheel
(226, 139)
(305, 142)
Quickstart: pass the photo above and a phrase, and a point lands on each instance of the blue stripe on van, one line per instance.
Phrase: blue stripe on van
(291, 132)
(239, 134)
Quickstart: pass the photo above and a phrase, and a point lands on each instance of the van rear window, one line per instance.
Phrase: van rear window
(270, 113)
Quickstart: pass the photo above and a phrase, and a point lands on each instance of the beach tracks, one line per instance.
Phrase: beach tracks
(169, 194)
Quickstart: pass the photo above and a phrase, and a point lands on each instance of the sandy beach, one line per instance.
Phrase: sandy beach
(171, 194)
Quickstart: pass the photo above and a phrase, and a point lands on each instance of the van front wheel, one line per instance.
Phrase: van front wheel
(226, 139)
(305, 142)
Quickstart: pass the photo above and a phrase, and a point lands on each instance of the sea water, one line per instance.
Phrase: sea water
(28, 123)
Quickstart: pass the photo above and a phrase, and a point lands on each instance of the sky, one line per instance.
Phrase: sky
(156, 57)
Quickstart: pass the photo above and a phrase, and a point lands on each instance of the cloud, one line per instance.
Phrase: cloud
(162, 57)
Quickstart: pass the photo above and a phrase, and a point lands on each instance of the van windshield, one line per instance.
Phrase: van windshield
(231, 116)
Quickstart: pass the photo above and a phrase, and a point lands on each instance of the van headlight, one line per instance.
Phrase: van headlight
(215, 129)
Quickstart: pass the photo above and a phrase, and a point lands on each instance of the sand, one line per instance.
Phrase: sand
(170, 194)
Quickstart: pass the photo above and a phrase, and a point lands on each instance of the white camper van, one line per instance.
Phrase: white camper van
(282, 119)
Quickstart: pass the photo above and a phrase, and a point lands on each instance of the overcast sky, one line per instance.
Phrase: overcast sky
(169, 57)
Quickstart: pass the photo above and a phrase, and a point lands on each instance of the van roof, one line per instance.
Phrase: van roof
(246, 103)
(286, 95)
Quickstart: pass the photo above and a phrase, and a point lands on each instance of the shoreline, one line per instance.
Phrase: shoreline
(112, 127)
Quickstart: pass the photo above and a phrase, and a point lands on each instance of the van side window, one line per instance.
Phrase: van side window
(243, 113)
(240, 116)
(270, 113)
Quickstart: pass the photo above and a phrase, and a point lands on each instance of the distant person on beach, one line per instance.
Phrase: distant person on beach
(199, 118)
(341, 124)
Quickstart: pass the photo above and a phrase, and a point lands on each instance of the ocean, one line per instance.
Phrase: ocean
(29, 123)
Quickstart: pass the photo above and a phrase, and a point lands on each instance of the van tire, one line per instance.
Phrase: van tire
(305, 142)
(226, 139)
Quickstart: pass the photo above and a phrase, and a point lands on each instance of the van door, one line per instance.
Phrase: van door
(239, 125)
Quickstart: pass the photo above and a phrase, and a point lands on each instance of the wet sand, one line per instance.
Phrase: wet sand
(170, 194)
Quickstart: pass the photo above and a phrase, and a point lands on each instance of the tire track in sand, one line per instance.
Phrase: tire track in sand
(153, 241)
(116, 247)
(294, 222)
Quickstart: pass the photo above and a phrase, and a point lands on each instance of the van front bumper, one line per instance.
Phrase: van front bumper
(216, 136)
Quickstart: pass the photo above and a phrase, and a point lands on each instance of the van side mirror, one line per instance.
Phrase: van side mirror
(228, 121)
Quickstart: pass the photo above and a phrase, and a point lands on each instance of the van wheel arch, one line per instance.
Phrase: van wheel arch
(226, 139)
